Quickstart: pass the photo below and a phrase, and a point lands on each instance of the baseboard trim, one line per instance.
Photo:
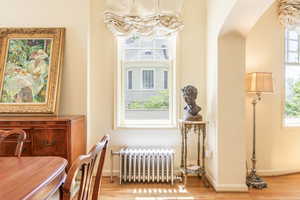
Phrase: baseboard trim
(108, 173)
(211, 180)
(277, 172)
(226, 187)
(230, 187)
(216, 187)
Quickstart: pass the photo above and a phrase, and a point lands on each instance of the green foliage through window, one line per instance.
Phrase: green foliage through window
(292, 105)
(158, 102)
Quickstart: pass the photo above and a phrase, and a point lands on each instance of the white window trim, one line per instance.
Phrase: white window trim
(154, 78)
(120, 94)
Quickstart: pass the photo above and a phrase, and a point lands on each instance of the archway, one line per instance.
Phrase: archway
(228, 24)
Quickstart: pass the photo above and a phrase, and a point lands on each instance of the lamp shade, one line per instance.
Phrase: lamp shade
(259, 82)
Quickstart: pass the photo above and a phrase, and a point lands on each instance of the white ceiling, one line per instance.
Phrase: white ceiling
(244, 15)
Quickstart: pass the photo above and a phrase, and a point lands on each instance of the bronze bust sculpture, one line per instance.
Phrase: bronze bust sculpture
(191, 109)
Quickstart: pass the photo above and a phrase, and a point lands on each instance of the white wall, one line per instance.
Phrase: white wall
(227, 24)
(87, 36)
(225, 72)
(231, 98)
(72, 14)
(217, 12)
(91, 53)
(102, 68)
(278, 147)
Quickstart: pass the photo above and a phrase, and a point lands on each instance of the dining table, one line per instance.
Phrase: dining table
(31, 178)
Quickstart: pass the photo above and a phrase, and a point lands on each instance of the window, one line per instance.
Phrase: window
(292, 47)
(166, 80)
(148, 79)
(146, 96)
(292, 79)
(129, 79)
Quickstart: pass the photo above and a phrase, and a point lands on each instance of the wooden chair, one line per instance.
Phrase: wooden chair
(86, 164)
(20, 140)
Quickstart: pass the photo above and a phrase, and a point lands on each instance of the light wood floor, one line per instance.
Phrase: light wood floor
(280, 188)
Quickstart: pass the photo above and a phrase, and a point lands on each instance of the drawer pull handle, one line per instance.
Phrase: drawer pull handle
(47, 143)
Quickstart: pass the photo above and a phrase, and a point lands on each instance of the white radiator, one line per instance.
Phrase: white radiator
(146, 165)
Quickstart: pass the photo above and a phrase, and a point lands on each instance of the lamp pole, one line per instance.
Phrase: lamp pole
(253, 180)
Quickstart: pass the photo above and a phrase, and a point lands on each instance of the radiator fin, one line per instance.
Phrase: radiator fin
(146, 165)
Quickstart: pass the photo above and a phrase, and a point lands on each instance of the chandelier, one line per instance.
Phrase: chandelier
(289, 13)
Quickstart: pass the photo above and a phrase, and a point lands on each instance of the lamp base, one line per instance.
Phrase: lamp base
(254, 181)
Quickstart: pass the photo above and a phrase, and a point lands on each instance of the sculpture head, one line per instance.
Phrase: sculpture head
(189, 94)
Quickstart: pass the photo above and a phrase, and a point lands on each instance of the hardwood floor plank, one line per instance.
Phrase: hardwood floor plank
(279, 188)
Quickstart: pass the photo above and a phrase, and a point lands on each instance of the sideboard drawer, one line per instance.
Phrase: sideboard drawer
(49, 142)
(7, 148)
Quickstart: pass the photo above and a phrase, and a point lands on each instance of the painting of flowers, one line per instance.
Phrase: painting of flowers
(26, 71)
(30, 70)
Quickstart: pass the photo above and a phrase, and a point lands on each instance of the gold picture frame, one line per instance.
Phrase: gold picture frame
(30, 70)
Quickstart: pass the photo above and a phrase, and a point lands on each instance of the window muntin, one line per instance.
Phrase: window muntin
(146, 49)
(151, 99)
(292, 79)
(292, 47)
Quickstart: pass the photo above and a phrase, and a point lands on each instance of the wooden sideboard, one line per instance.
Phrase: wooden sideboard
(47, 136)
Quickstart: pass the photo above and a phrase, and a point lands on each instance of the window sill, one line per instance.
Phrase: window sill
(291, 125)
(294, 123)
(148, 89)
(146, 126)
(155, 89)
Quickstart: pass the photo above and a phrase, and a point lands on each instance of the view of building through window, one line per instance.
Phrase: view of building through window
(148, 79)
(129, 79)
(292, 78)
(146, 63)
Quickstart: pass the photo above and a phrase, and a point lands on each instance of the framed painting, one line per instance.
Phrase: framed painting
(30, 70)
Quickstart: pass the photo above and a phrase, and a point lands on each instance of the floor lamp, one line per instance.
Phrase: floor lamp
(257, 83)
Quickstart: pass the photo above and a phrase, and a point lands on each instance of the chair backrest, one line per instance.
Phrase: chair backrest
(87, 164)
(20, 139)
